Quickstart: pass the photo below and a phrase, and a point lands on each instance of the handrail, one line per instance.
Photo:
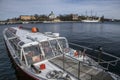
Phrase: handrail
(79, 70)
(117, 58)
(113, 62)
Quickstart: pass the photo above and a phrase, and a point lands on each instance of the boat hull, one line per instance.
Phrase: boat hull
(90, 21)
(20, 74)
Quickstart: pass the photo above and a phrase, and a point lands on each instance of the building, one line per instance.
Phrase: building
(69, 17)
(27, 17)
(52, 16)
(56, 20)
(74, 16)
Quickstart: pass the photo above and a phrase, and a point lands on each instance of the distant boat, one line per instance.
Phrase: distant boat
(25, 22)
(90, 20)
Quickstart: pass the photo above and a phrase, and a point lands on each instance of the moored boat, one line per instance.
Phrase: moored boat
(90, 20)
(47, 56)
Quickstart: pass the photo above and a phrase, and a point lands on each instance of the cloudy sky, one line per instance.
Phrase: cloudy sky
(14, 8)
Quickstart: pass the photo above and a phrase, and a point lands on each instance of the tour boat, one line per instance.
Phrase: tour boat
(47, 56)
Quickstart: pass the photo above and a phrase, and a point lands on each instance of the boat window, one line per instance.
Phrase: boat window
(23, 58)
(64, 45)
(12, 30)
(9, 34)
(55, 47)
(21, 43)
(33, 54)
(15, 47)
(47, 49)
(15, 41)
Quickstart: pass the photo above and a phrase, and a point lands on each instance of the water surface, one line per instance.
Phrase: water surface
(91, 35)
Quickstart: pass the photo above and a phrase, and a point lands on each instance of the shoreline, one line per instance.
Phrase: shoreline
(34, 22)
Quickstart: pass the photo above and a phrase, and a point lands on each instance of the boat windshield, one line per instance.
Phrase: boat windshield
(54, 47)
(50, 48)
(33, 54)
(47, 49)
(64, 45)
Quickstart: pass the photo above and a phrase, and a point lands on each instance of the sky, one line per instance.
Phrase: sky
(15, 8)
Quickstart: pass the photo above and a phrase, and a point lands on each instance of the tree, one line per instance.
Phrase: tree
(36, 17)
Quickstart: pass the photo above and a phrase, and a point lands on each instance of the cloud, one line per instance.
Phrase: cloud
(12, 8)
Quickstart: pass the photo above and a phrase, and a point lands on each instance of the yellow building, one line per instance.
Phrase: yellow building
(27, 17)
(56, 20)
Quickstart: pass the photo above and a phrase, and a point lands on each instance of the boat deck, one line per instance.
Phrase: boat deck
(82, 72)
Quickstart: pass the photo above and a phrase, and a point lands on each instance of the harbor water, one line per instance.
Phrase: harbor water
(91, 35)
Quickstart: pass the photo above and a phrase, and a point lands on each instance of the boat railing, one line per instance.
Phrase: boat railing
(74, 67)
(116, 76)
(77, 69)
(105, 60)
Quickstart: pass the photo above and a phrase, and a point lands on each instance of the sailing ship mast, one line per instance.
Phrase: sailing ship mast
(90, 18)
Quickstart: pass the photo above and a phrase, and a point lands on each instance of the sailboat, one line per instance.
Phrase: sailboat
(91, 18)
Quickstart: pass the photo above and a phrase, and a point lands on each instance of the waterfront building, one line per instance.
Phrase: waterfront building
(27, 17)
(56, 20)
(74, 16)
(52, 16)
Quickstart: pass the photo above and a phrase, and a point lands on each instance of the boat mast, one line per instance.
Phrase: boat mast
(86, 13)
(91, 13)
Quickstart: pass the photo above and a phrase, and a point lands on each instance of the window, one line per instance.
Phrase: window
(47, 49)
(9, 34)
(33, 54)
(12, 30)
(14, 43)
(64, 45)
(21, 43)
(55, 47)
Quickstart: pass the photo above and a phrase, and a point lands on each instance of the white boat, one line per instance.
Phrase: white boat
(90, 20)
(25, 22)
(47, 56)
